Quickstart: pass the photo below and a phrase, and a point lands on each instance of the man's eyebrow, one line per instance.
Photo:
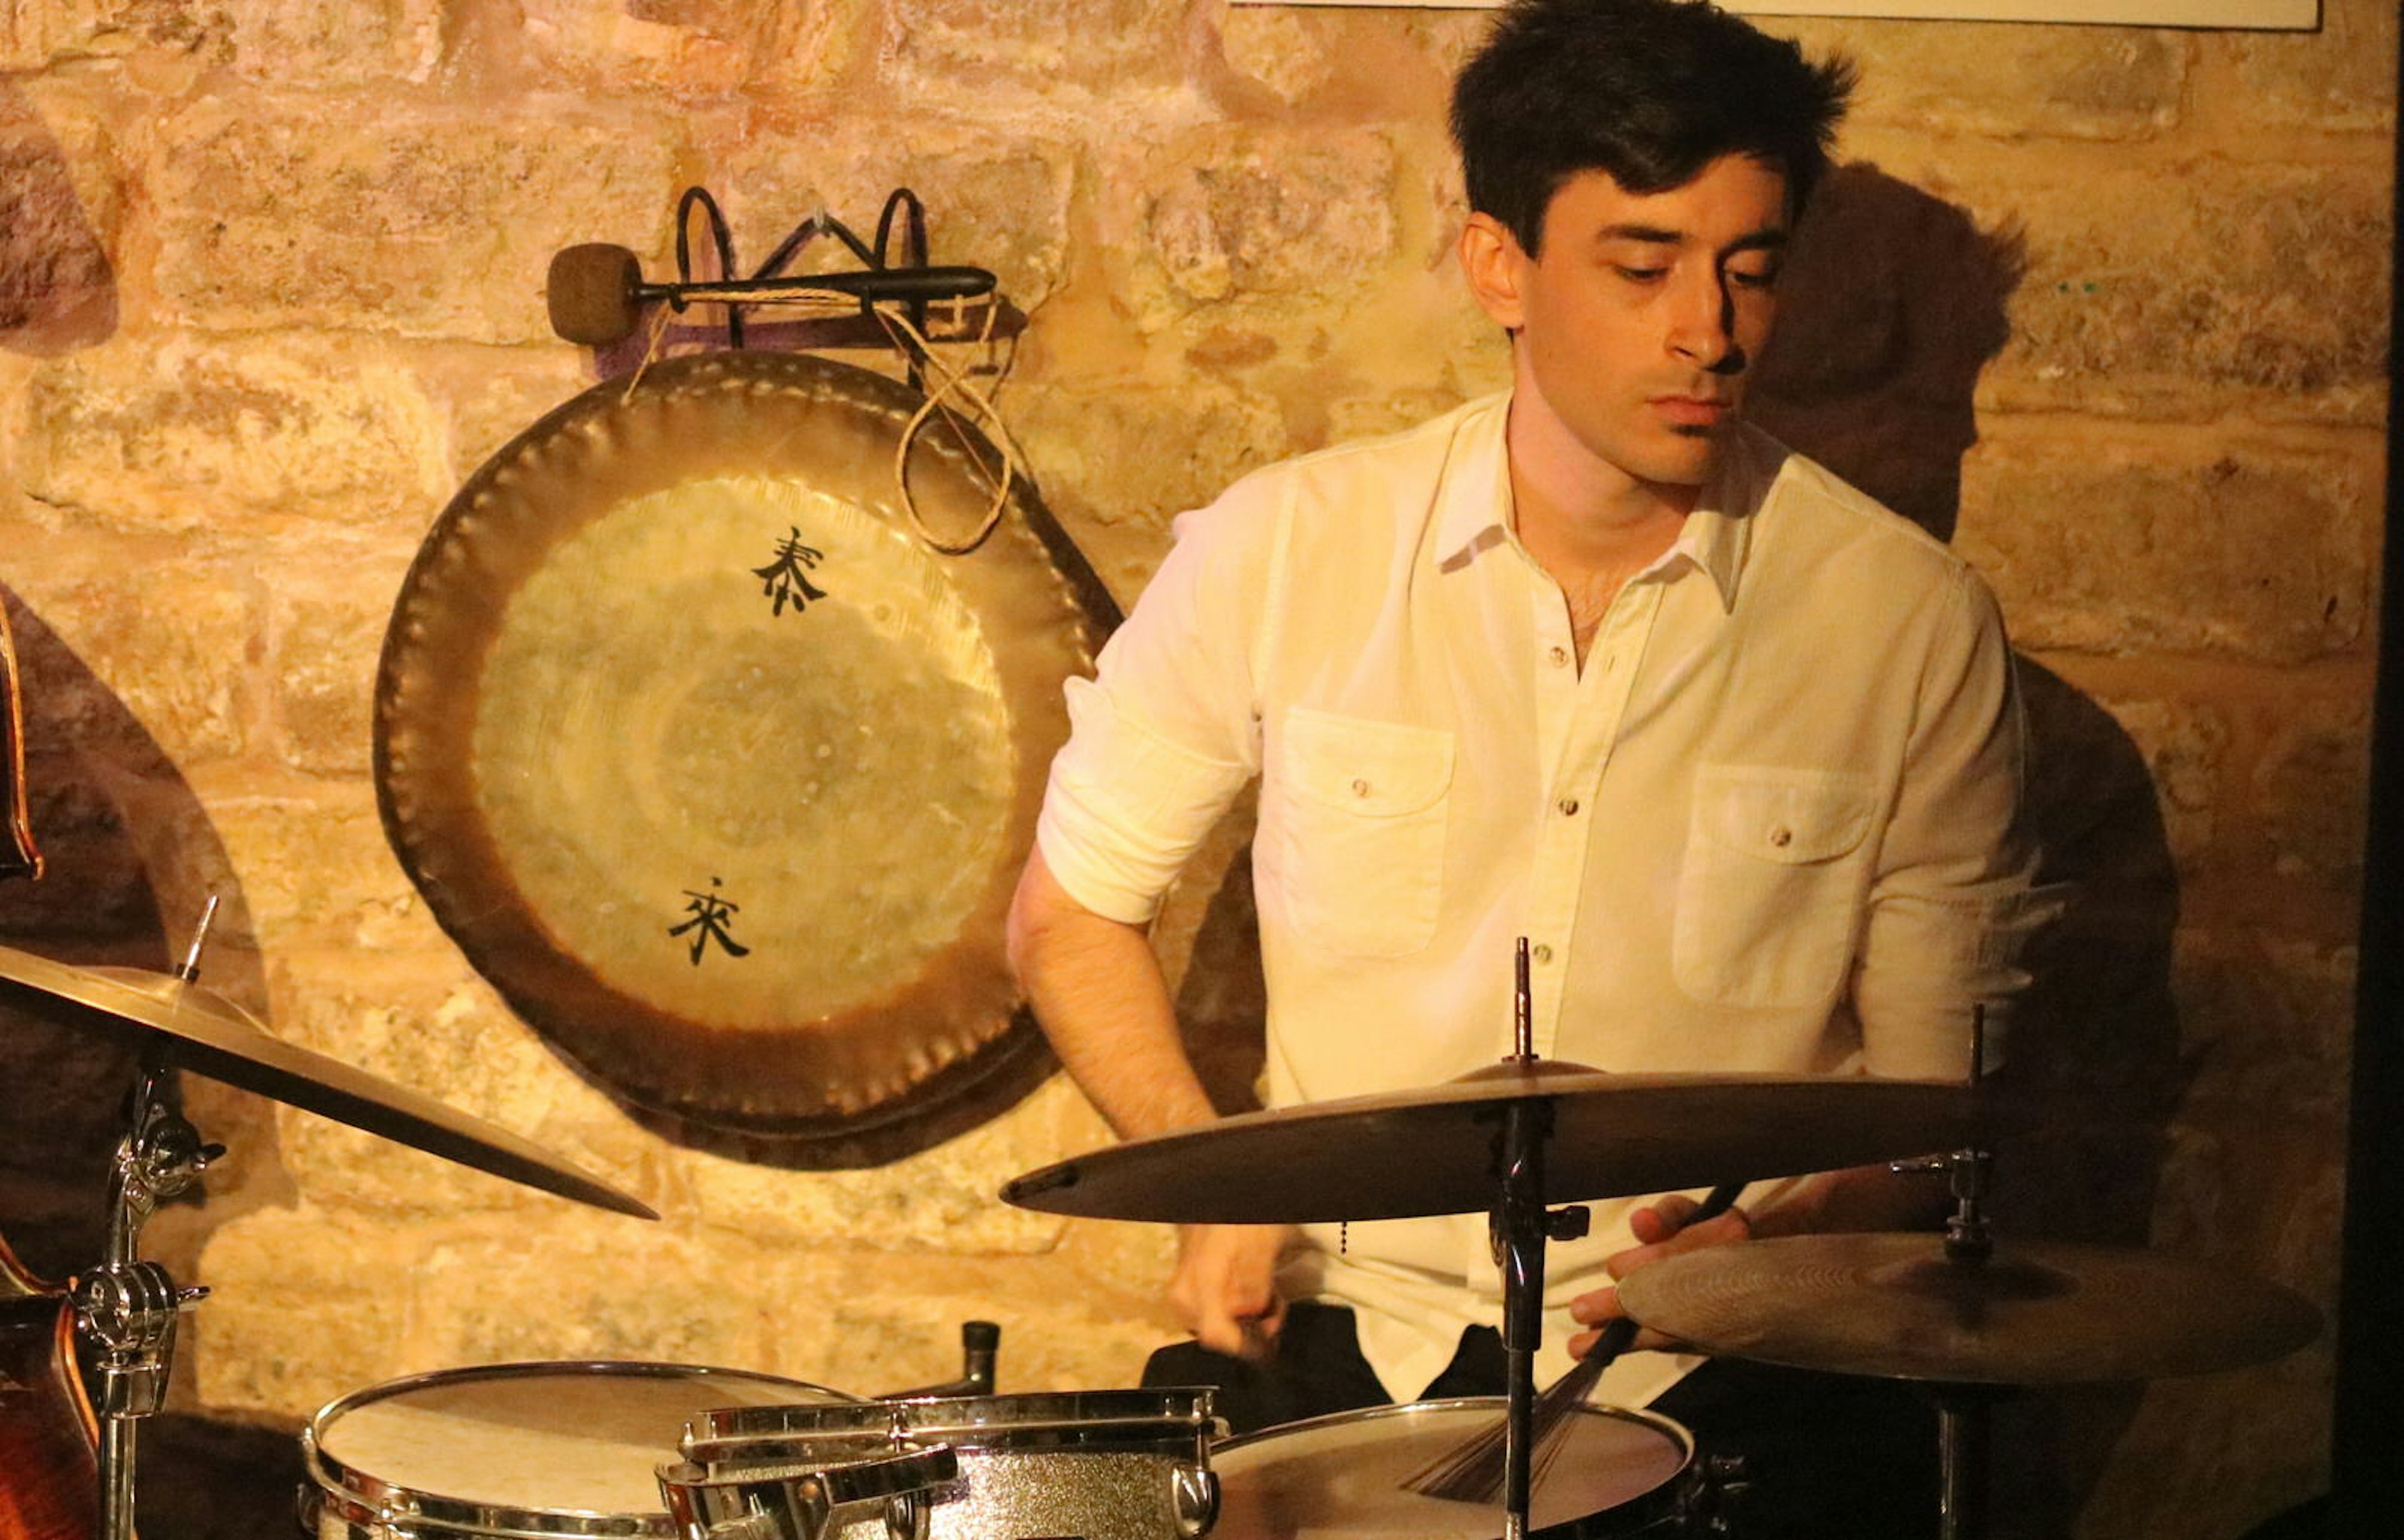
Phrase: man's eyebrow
(1759, 239)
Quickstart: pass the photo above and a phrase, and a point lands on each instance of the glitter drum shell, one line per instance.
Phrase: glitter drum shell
(717, 772)
(1128, 1464)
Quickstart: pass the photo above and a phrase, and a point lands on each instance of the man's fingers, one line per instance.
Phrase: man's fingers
(1645, 1341)
(1727, 1228)
(1662, 1218)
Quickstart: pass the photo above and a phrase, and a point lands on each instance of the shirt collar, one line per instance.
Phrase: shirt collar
(1473, 507)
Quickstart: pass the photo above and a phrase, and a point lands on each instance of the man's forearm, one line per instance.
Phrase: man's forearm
(1098, 992)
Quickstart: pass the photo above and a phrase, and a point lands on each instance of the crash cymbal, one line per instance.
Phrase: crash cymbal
(1431, 1151)
(206, 1033)
(1896, 1306)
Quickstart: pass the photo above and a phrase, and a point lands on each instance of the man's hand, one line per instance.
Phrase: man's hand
(1665, 1229)
(1225, 1287)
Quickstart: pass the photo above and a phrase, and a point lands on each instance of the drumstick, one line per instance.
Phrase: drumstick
(1474, 1472)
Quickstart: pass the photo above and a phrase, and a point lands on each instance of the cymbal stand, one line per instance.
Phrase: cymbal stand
(126, 1309)
(1965, 1413)
(1517, 1230)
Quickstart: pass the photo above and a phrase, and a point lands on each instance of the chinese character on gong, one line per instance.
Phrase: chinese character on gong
(787, 578)
(711, 917)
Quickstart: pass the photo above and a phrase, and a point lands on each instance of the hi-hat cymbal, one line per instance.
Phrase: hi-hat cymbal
(1897, 1307)
(1431, 1151)
(217, 1038)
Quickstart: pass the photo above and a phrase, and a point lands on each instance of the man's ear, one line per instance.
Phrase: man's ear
(1491, 261)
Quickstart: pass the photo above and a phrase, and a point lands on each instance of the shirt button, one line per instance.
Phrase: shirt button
(1782, 836)
(1569, 806)
(1557, 657)
(1361, 788)
(1541, 952)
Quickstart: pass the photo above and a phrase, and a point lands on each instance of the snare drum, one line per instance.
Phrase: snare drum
(1094, 1465)
(514, 1449)
(1340, 1477)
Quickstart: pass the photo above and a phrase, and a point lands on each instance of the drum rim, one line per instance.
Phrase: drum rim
(1678, 1432)
(1635, 1516)
(964, 1421)
(371, 1496)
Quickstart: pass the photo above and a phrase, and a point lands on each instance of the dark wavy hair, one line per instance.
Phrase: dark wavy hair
(1649, 91)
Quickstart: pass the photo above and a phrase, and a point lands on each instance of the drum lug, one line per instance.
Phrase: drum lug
(905, 1516)
(1196, 1492)
(1718, 1493)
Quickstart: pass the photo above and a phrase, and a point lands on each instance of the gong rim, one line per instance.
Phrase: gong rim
(911, 1048)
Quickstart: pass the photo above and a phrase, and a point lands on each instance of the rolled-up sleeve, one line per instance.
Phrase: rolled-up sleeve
(1166, 733)
(1951, 907)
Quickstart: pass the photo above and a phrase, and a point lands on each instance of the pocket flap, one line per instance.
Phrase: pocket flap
(1791, 817)
(1374, 768)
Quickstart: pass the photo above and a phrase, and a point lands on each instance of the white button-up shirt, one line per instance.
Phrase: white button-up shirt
(1768, 827)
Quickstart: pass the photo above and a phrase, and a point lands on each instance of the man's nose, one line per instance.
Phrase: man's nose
(1702, 323)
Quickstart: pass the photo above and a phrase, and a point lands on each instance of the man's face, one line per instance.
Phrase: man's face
(1637, 326)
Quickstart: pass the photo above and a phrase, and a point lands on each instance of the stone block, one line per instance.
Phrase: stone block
(2165, 287)
(2229, 549)
(570, 1289)
(39, 33)
(422, 222)
(1359, 62)
(2185, 745)
(331, 42)
(693, 47)
(1116, 465)
(868, 1329)
(1231, 211)
(58, 285)
(322, 649)
(186, 438)
(941, 1202)
(2008, 81)
(169, 649)
(2267, 1025)
(2311, 792)
(2342, 77)
(314, 867)
(304, 1306)
(942, 48)
(425, 1024)
(487, 396)
(94, 891)
(995, 201)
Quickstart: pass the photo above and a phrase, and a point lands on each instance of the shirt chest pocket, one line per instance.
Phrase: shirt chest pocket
(1770, 896)
(1352, 829)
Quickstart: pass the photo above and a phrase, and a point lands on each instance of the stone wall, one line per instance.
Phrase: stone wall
(2107, 306)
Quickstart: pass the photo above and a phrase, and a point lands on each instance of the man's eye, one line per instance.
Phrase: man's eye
(1640, 275)
(1766, 277)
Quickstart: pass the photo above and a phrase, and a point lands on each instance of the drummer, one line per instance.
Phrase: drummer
(1592, 662)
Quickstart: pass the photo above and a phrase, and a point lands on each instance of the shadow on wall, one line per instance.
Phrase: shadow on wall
(1891, 303)
(130, 859)
(58, 291)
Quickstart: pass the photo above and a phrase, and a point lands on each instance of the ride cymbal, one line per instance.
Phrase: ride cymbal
(204, 1031)
(1431, 1151)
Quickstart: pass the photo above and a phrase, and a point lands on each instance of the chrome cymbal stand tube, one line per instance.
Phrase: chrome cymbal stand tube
(127, 1307)
(1965, 1413)
(1517, 1230)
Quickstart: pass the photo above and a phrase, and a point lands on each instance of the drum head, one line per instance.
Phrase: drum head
(717, 770)
(1341, 1476)
(571, 1440)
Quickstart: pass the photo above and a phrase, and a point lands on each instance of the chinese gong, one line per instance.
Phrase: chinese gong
(718, 771)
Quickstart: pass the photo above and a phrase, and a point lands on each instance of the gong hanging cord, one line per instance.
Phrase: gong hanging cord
(949, 381)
